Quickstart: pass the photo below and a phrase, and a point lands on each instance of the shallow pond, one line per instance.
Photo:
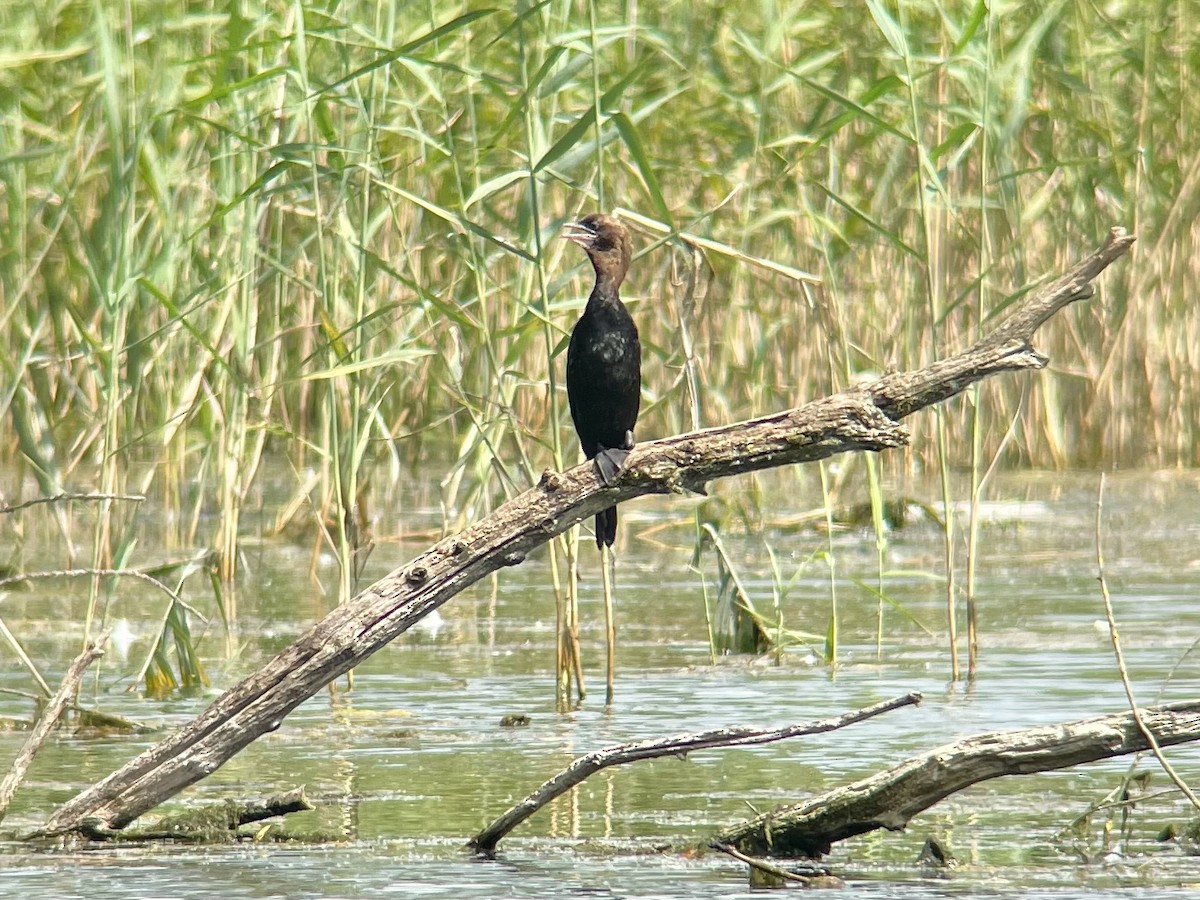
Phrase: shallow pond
(413, 760)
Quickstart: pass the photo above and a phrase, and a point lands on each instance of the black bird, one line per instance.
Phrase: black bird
(604, 360)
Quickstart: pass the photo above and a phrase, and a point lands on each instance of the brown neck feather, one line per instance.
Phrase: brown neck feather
(610, 272)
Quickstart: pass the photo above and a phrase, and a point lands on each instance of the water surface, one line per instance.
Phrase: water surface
(413, 761)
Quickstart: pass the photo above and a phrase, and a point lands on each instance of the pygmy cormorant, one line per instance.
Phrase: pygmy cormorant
(604, 360)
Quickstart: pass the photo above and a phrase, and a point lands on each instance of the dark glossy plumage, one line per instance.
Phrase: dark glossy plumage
(604, 360)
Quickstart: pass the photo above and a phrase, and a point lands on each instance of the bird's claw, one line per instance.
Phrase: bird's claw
(609, 462)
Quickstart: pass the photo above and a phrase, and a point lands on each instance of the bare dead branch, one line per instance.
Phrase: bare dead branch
(676, 745)
(70, 498)
(891, 798)
(105, 573)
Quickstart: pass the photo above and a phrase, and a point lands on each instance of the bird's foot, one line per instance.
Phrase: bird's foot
(609, 462)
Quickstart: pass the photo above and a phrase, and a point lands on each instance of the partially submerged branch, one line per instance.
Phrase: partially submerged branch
(678, 745)
(214, 823)
(865, 418)
(891, 798)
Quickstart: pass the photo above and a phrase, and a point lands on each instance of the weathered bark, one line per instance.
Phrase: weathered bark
(678, 745)
(865, 418)
(891, 798)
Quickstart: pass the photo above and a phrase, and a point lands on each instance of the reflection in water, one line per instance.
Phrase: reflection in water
(414, 759)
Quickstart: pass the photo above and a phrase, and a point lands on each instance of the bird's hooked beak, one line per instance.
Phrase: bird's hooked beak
(578, 233)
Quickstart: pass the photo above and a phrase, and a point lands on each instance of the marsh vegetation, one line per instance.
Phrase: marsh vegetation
(291, 273)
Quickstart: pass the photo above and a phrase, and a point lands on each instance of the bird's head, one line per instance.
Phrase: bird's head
(606, 242)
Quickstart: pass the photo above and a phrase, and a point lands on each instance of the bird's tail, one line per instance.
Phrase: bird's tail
(606, 527)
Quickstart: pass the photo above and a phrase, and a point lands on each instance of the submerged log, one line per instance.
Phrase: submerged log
(213, 823)
(864, 418)
(891, 798)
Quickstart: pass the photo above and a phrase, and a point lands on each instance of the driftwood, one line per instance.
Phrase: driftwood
(891, 798)
(865, 418)
(678, 745)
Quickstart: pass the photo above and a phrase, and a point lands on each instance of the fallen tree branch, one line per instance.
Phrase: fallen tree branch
(865, 418)
(891, 798)
(677, 745)
(55, 707)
